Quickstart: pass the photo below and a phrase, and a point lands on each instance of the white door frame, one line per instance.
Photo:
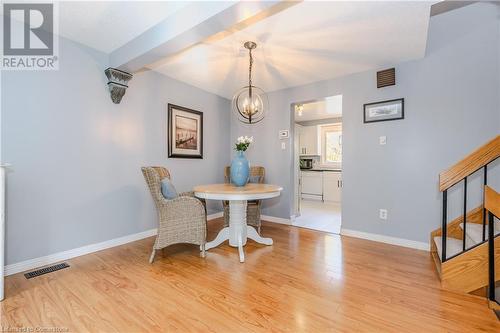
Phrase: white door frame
(2, 229)
(2, 206)
(295, 154)
(296, 171)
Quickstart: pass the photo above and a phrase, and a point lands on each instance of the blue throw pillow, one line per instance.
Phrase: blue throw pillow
(168, 190)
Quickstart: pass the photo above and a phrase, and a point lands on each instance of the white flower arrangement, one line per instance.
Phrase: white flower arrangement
(243, 142)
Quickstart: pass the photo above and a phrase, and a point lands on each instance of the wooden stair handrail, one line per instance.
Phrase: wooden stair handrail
(470, 164)
(492, 201)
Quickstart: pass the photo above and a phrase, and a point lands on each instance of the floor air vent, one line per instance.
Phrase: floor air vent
(45, 270)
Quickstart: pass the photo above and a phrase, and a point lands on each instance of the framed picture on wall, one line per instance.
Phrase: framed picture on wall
(393, 109)
(185, 132)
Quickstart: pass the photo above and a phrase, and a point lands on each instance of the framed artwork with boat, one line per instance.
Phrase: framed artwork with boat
(185, 132)
(393, 109)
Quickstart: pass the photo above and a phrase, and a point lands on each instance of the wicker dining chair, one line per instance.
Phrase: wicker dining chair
(180, 220)
(257, 174)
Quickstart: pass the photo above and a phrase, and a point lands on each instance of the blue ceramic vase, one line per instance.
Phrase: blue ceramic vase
(240, 169)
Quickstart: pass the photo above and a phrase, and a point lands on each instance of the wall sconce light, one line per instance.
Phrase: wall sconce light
(117, 83)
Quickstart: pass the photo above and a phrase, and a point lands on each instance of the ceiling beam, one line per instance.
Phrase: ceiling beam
(198, 22)
(447, 5)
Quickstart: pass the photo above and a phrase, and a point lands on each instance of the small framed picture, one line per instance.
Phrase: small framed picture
(393, 109)
(185, 132)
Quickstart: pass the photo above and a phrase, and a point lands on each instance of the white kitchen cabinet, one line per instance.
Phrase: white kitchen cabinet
(309, 140)
(312, 183)
(332, 186)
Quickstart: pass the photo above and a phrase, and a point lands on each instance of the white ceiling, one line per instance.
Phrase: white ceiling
(330, 107)
(308, 42)
(107, 25)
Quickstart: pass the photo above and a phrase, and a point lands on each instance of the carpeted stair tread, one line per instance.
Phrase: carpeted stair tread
(453, 246)
(475, 231)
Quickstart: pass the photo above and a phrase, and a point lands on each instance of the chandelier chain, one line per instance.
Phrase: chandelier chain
(250, 68)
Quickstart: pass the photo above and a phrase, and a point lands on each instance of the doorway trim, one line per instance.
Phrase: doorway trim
(294, 156)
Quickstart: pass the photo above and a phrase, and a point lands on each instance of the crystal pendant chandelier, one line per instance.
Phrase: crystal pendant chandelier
(250, 102)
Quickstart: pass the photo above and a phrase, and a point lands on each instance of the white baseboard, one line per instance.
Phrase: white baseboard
(386, 239)
(214, 216)
(66, 255)
(273, 219)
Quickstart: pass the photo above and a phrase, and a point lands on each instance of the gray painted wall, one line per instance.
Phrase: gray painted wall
(76, 156)
(451, 107)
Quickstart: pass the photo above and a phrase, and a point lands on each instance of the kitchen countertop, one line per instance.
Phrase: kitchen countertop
(330, 170)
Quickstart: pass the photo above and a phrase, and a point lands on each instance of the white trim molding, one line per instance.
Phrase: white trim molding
(273, 219)
(215, 216)
(2, 229)
(386, 239)
(80, 251)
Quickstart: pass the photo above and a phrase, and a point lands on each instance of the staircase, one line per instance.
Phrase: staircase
(466, 250)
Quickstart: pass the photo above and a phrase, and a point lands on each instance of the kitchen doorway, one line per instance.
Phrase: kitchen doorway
(318, 164)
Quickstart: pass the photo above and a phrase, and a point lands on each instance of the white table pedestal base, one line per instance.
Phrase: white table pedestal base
(238, 230)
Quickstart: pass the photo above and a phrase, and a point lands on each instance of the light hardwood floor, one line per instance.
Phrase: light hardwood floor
(307, 281)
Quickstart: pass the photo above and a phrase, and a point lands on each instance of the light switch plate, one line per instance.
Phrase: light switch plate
(283, 145)
(383, 214)
(382, 140)
(283, 134)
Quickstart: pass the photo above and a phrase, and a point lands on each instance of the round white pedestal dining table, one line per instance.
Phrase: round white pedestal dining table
(238, 231)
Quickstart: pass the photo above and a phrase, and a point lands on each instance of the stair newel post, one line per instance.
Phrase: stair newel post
(465, 214)
(491, 257)
(443, 229)
(485, 182)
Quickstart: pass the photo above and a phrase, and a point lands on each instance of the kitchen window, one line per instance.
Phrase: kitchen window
(331, 145)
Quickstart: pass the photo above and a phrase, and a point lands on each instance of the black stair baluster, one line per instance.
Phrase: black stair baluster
(491, 255)
(485, 182)
(443, 228)
(465, 212)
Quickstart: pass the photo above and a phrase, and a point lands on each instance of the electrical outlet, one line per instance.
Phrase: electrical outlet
(382, 140)
(383, 214)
